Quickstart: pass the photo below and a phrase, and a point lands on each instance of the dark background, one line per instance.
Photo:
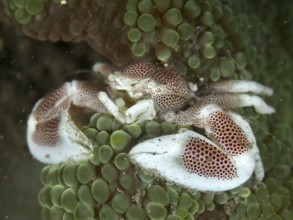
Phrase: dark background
(28, 70)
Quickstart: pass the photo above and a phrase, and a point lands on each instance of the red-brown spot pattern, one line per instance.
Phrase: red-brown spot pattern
(46, 134)
(205, 160)
(174, 92)
(47, 107)
(169, 102)
(226, 100)
(50, 108)
(228, 134)
(87, 96)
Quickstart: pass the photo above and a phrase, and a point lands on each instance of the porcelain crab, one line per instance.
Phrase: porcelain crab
(223, 160)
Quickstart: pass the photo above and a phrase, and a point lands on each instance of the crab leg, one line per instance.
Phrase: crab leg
(231, 94)
(52, 135)
(228, 100)
(239, 86)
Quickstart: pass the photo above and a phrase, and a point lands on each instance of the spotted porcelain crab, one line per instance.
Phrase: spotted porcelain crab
(223, 160)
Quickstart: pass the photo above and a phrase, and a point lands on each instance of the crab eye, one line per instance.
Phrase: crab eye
(111, 78)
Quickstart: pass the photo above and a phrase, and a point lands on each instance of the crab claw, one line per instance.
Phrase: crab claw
(233, 134)
(226, 129)
(52, 135)
(57, 140)
(193, 161)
